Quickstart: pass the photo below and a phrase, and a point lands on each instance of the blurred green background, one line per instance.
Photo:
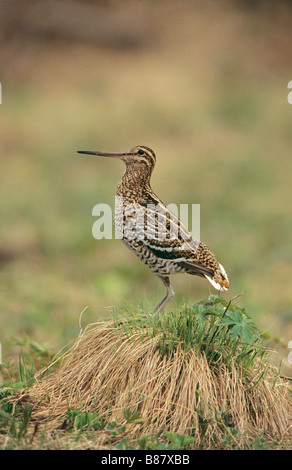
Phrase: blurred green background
(202, 83)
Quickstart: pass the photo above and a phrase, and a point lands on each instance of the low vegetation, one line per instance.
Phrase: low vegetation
(198, 378)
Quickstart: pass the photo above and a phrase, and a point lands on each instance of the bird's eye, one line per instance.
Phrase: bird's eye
(141, 152)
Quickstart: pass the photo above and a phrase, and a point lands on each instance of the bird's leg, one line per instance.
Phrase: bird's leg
(169, 295)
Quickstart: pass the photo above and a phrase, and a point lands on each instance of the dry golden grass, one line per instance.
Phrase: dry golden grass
(109, 370)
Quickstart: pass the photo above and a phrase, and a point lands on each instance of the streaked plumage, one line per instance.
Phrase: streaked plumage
(152, 232)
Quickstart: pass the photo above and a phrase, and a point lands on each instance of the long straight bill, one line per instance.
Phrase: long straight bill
(103, 154)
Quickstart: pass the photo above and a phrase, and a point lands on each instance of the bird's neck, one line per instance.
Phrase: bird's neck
(135, 181)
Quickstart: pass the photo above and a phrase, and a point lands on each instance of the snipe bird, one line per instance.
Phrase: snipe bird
(152, 232)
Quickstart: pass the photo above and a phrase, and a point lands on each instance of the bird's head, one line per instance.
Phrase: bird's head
(139, 156)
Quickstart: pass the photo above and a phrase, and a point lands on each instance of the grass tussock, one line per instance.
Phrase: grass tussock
(201, 372)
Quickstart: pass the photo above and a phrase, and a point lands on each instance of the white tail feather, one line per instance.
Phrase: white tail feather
(216, 284)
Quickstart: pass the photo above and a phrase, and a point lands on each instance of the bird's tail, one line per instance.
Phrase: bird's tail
(219, 280)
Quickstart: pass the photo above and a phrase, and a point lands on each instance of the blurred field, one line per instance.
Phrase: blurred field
(206, 87)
